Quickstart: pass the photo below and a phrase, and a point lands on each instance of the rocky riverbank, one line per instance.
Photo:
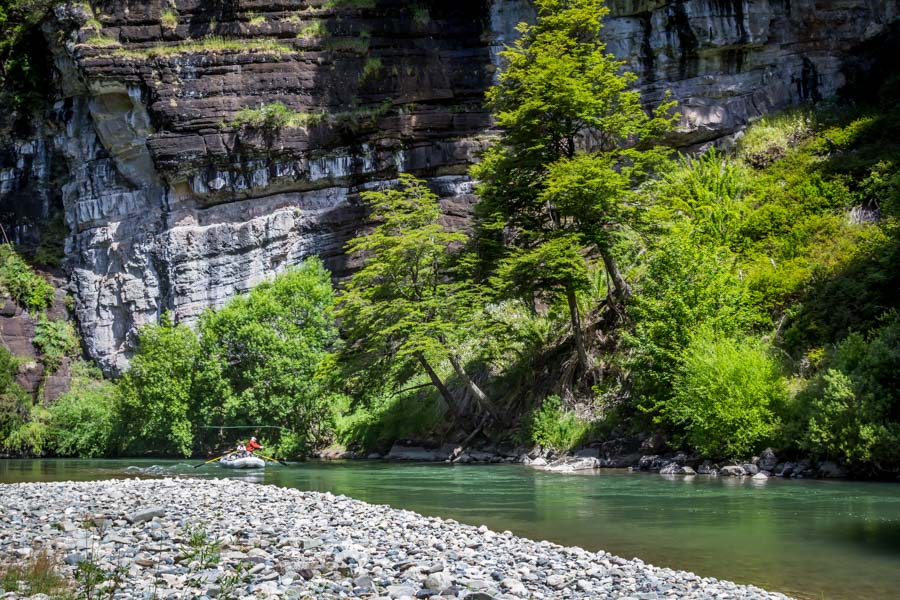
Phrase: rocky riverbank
(635, 456)
(185, 538)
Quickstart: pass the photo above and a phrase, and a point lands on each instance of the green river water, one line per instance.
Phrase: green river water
(809, 539)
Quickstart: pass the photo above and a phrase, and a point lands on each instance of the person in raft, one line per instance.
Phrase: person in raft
(252, 445)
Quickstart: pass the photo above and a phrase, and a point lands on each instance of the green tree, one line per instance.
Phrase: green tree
(83, 421)
(262, 353)
(401, 303)
(158, 390)
(575, 142)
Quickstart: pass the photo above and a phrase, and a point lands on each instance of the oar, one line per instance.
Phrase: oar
(213, 460)
(280, 462)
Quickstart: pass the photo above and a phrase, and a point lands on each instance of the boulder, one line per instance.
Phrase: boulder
(761, 476)
(732, 471)
(750, 469)
(674, 468)
(588, 453)
(569, 464)
(830, 470)
(767, 460)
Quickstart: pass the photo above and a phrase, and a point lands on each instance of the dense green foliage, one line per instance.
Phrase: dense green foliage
(23, 56)
(726, 394)
(54, 340)
(158, 390)
(851, 410)
(551, 426)
(255, 362)
(19, 280)
(262, 353)
(84, 420)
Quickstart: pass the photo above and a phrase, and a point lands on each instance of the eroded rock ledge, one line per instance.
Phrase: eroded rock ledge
(295, 544)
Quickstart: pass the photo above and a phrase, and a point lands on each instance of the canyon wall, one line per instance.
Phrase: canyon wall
(172, 204)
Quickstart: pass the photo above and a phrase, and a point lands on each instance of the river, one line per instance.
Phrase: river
(810, 539)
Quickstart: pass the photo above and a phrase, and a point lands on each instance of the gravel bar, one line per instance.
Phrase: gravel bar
(278, 542)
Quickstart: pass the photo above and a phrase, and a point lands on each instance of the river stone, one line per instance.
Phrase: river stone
(731, 471)
(439, 581)
(146, 514)
(761, 476)
(750, 469)
(514, 587)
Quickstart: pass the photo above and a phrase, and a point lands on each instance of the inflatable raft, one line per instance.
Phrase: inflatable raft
(242, 462)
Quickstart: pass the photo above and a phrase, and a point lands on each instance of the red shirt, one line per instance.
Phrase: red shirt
(251, 446)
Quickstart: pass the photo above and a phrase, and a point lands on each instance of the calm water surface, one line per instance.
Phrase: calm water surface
(809, 539)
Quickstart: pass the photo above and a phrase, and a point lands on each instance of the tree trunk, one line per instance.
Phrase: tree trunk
(622, 291)
(436, 381)
(576, 328)
(483, 401)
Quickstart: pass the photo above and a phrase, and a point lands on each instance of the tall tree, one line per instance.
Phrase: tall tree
(402, 302)
(574, 143)
(262, 354)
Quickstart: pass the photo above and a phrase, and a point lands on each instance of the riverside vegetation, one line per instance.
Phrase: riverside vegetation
(728, 300)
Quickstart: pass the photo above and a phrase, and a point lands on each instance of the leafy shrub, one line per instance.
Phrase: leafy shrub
(726, 395)
(83, 420)
(32, 435)
(772, 137)
(314, 30)
(685, 286)
(852, 409)
(553, 427)
(708, 189)
(26, 287)
(370, 69)
(54, 340)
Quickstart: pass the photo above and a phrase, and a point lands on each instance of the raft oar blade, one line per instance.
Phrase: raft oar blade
(212, 460)
(280, 462)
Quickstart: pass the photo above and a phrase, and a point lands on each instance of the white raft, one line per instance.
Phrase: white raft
(243, 462)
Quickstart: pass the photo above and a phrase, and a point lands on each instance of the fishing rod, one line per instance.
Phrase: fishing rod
(243, 427)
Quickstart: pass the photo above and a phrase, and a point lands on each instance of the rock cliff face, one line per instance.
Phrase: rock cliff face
(171, 205)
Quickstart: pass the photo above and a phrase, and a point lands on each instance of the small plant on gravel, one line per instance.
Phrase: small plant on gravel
(201, 548)
(230, 582)
(39, 575)
(93, 581)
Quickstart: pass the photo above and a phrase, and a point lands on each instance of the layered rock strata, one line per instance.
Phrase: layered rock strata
(172, 204)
